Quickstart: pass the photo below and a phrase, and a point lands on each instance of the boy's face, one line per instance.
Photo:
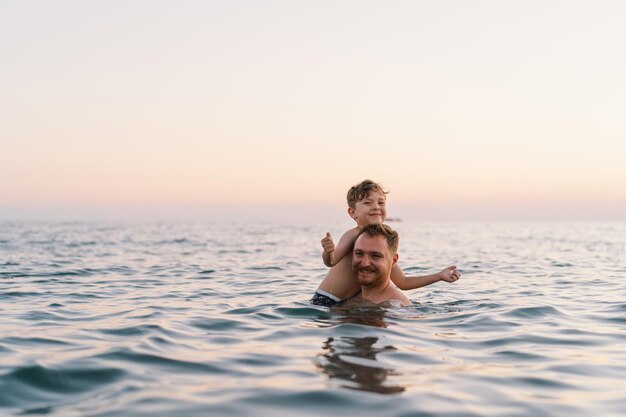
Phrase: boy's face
(371, 209)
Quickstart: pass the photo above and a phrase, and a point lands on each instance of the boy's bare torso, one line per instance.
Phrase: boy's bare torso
(335, 281)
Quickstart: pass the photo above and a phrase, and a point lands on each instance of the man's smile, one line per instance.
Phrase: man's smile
(367, 269)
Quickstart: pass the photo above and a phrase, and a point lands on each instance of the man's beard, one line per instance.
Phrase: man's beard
(373, 275)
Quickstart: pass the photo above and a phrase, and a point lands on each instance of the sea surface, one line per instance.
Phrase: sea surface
(213, 319)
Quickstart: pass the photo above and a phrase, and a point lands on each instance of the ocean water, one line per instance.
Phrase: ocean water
(174, 319)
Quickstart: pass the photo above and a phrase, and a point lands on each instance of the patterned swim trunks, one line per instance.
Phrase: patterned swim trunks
(323, 298)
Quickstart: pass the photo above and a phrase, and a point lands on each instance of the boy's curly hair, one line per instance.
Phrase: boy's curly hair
(360, 191)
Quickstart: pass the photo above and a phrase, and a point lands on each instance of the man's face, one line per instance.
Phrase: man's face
(372, 260)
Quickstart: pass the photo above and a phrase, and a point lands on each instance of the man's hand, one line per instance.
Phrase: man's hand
(328, 244)
(450, 274)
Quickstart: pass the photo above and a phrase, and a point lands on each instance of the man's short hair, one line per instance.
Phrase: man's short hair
(360, 191)
(379, 229)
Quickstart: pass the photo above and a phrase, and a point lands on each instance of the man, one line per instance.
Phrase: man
(374, 255)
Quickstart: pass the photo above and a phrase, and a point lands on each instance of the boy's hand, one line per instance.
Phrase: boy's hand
(450, 274)
(328, 244)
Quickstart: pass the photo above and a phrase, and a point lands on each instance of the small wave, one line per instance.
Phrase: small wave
(221, 324)
(52, 274)
(617, 308)
(140, 330)
(534, 312)
(542, 383)
(120, 269)
(247, 310)
(560, 264)
(415, 269)
(172, 241)
(41, 316)
(309, 311)
(284, 398)
(253, 401)
(11, 294)
(558, 341)
(85, 295)
(256, 360)
(264, 268)
(82, 244)
(30, 341)
(483, 322)
(519, 355)
(26, 385)
(235, 251)
(171, 364)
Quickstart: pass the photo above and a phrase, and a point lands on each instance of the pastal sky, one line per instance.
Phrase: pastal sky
(225, 109)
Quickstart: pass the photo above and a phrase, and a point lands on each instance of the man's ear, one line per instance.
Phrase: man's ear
(395, 258)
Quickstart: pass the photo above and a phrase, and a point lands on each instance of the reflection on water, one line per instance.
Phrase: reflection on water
(367, 316)
(352, 360)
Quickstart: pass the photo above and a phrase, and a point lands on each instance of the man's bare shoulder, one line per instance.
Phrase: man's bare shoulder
(397, 295)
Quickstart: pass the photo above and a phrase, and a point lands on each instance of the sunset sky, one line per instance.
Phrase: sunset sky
(230, 109)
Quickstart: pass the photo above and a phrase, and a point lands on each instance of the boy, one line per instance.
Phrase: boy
(366, 205)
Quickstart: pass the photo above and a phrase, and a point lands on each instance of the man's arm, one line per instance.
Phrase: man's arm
(449, 274)
(333, 255)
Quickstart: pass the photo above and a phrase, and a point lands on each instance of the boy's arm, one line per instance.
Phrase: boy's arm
(333, 255)
(449, 274)
(329, 250)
